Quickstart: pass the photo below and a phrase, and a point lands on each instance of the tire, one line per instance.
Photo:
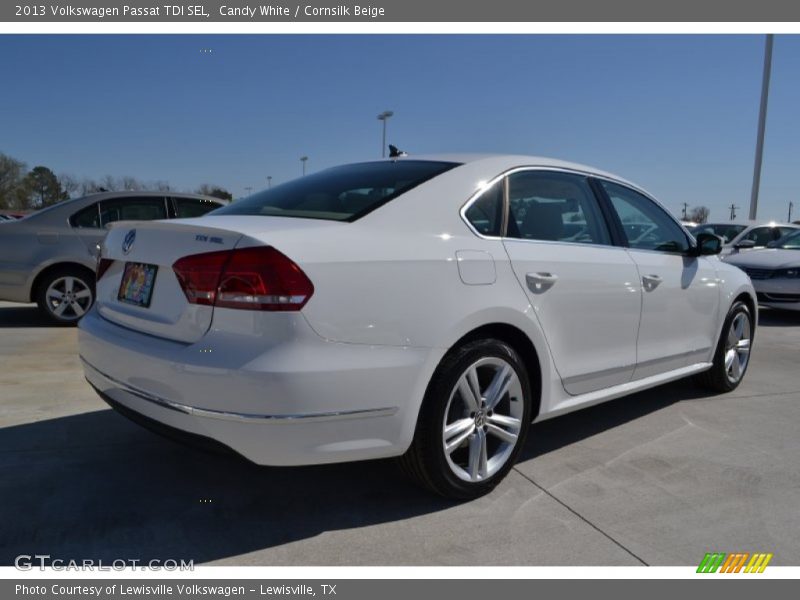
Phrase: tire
(734, 346)
(65, 294)
(498, 426)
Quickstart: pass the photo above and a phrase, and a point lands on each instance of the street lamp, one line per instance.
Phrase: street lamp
(303, 160)
(762, 121)
(269, 181)
(384, 116)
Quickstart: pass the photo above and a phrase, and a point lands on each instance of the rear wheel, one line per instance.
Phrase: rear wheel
(65, 295)
(733, 351)
(473, 421)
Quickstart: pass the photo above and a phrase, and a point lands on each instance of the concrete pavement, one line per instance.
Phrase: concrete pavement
(657, 478)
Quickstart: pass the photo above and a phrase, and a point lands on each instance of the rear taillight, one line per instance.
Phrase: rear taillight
(102, 266)
(258, 278)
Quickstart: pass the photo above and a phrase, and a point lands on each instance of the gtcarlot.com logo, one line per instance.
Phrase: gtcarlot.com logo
(736, 562)
(27, 562)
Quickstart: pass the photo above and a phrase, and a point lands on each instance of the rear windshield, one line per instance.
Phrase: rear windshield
(343, 193)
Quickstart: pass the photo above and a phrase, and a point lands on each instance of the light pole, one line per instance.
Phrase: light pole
(248, 189)
(762, 121)
(791, 206)
(304, 159)
(269, 181)
(384, 116)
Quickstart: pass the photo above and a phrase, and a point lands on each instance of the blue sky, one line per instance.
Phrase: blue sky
(676, 114)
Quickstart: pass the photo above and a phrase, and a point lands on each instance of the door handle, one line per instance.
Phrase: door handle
(540, 282)
(651, 282)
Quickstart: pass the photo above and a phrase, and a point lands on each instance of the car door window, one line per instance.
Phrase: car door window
(547, 205)
(485, 213)
(761, 235)
(132, 209)
(646, 225)
(186, 208)
(87, 218)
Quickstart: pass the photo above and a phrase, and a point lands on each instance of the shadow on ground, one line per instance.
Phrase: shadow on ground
(94, 485)
(22, 315)
(768, 317)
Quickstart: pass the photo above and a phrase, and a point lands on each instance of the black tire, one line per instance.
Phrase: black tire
(73, 305)
(427, 461)
(719, 377)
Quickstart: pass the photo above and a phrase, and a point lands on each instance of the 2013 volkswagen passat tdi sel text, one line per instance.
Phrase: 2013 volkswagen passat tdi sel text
(429, 309)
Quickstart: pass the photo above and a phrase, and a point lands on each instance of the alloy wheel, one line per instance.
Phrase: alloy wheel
(483, 419)
(737, 347)
(68, 298)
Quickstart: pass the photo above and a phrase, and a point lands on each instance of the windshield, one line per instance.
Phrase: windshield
(726, 231)
(791, 241)
(343, 193)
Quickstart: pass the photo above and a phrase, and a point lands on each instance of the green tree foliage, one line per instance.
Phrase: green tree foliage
(11, 176)
(215, 191)
(44, 187)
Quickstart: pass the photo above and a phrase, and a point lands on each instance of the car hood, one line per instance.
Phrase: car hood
(771, 258)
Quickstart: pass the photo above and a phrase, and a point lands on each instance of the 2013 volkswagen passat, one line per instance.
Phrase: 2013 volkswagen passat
(429, 309)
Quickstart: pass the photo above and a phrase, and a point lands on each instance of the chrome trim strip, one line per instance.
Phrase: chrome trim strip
(246, 417)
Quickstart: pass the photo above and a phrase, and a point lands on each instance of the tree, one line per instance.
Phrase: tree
(214, 191)
(69, 184)
(43, 185)
(699, 214)
(11, 176)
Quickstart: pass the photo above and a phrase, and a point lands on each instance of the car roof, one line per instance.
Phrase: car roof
(511, 161)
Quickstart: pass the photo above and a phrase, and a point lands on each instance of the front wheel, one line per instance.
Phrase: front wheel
(473, 421)
(732, 356)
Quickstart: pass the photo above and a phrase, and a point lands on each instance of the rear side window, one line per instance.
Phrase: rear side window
(132, 209)
(486, 213)
(545, 205)
(186, 208)
(343, 193)
(89, 217)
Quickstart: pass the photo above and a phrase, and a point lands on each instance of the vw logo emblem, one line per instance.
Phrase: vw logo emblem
(127, 243)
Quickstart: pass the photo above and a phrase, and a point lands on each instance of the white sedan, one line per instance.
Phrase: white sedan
(424, 308)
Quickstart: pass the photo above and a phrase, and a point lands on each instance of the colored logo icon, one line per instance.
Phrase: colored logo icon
(736, 562)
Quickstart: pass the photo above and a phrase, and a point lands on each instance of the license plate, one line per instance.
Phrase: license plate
(137, 284)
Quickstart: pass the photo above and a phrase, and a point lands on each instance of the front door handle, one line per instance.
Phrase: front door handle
(651, 282)
(540, 282)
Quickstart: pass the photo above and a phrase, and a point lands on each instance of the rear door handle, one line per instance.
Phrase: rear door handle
(651, 282)
(540, 282)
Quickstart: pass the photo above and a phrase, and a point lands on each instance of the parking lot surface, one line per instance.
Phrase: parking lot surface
(657, 478)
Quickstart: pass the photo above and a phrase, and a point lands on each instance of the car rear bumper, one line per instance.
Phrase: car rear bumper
(299, 400)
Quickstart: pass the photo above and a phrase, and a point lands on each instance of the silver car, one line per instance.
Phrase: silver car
(774, 271)
(745, 235)
(49, 257)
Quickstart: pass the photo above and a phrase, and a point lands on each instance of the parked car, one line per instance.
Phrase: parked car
(775, 272)
(50, 256)
(745, 235)
(427, 308)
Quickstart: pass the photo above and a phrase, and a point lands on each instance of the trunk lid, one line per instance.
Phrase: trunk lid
(163, 310)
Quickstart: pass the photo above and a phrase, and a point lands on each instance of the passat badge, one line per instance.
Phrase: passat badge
(127, 243)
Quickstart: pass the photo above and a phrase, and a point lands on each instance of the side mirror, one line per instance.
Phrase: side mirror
(772, 244)
(745, 244)
(707, 244)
